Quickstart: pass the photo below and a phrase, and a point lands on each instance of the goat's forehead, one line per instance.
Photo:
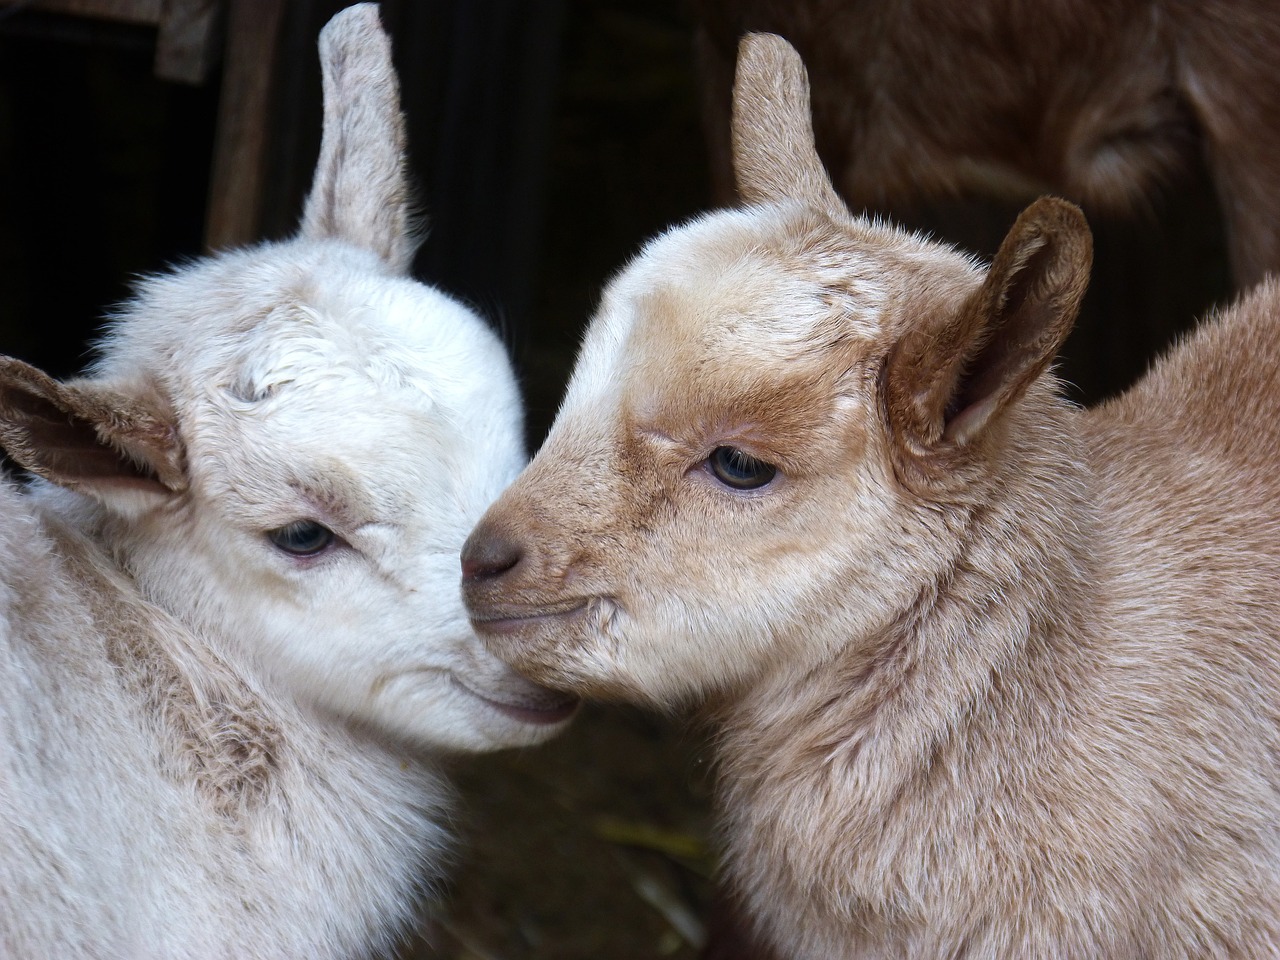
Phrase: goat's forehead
(408, 421)
(284, 360)
(734, 297)
(248, 319)
(352, 456)
(328, 351)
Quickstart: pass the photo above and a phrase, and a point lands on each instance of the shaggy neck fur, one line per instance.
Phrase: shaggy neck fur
(986, 656)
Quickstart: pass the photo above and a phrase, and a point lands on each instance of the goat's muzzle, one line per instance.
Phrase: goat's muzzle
(495, 571)
(489, 554)
(514, 604)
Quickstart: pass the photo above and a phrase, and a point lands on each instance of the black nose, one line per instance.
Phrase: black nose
(489, 553)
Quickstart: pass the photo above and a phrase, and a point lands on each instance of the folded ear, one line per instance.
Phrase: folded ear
(120, 450)
(360, 191)
(774, 154)
(947, 380)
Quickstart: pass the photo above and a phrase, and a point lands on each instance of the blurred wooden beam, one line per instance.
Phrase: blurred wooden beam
(187, 41)
(244, 120)
(187, 36)
(125, 11)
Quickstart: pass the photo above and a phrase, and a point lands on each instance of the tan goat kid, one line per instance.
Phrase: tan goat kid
(995, 676)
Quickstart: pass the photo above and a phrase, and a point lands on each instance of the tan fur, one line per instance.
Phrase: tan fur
(1108, 103)
(994, 676)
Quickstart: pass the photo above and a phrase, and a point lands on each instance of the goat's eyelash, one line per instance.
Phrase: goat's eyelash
(738, 470)
(303, 538)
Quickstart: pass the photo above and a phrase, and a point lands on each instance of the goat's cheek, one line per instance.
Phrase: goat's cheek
(707, 600)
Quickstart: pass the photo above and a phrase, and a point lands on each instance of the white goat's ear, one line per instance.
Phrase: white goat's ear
(360, 191)
(121, 450)
(774, 154)
(947, 380)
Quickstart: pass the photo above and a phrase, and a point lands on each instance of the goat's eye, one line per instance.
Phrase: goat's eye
(302, 538)
(741, 471)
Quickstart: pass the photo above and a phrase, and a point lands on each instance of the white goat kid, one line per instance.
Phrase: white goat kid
(230, 625)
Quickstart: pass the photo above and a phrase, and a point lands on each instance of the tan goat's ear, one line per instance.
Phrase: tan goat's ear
(774, 154)
(947, 381)
(119, 450)
(360, 191)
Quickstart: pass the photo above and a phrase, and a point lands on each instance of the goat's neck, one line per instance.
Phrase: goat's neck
(266, 780)
(1006, 616)
(191, 695)
(187, 676)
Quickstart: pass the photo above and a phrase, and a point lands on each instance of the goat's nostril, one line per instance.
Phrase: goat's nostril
(487, 555)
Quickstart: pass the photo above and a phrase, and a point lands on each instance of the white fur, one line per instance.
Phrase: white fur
(210, 747)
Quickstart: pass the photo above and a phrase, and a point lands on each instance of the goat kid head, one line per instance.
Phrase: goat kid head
(286, 445)
(779, 420)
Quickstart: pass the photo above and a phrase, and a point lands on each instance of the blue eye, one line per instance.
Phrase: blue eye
(739, 470)
(302, 538)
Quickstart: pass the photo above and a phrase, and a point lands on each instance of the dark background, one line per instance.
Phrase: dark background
(549, 138)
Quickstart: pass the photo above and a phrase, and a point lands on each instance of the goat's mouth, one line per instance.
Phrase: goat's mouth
(514, 621)
(526, 701)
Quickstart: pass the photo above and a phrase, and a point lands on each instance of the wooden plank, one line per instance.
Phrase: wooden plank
(125, 11)
(187, 43)
(244, 119)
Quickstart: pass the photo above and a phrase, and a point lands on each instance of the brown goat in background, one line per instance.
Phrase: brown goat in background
(1106, 103)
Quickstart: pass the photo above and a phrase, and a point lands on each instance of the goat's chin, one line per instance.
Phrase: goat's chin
(576, 650)
(473, 707)
(545, 645)
(524, 702)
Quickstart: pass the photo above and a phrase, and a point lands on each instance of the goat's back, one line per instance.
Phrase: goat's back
(1217, 390)
(1186, 461)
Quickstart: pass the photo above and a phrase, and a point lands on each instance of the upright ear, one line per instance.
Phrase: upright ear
(774, 155)
(948, 379)
(360, 192)
(122, 451)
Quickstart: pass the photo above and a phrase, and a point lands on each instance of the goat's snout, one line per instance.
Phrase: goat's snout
(489, 553)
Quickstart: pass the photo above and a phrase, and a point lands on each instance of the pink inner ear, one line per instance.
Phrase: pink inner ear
(961, 427)
(1030, 298)
(45, 435)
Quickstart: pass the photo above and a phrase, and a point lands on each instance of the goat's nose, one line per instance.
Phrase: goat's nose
(489, 553)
